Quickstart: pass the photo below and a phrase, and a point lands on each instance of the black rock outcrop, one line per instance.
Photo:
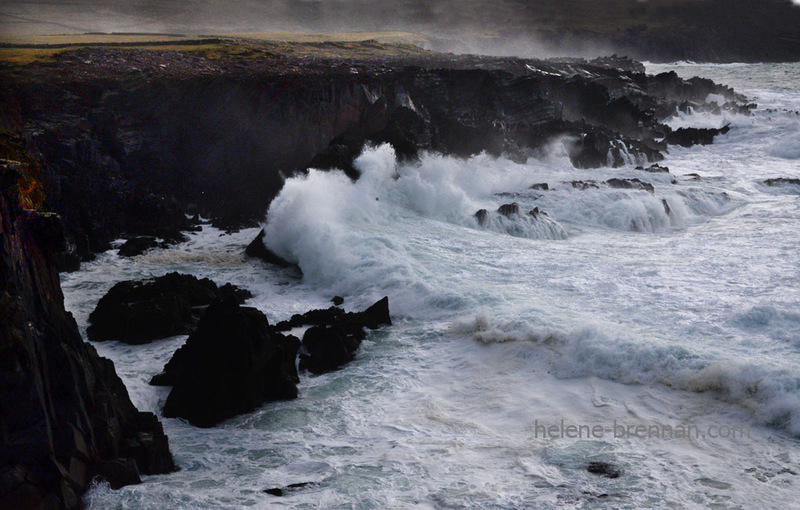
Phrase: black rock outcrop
(327, 347)
(259, 250)
(687, 137)
(780, 181)
(65, 415)
(137, 245)
(230, 365)
(138, 312)
(129, 152)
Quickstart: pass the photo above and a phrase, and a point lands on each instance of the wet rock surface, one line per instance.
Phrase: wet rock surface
(604, 469)
(130, 139)
(138, 312)
(230, 365)
(66, 415)
(257, 249)
(687, 137)
(328, 346)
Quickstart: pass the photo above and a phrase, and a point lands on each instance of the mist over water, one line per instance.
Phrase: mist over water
(607, 308)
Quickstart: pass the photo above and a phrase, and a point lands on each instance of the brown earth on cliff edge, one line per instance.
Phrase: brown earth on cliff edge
(656, 30)
(65, 415)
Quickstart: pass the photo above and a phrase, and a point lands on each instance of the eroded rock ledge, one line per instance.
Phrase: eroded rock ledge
(65, 415)
(130, 140)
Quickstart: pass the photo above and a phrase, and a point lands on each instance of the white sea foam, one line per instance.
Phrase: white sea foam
(642, 314)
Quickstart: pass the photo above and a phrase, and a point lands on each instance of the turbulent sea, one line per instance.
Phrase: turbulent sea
(674, 311)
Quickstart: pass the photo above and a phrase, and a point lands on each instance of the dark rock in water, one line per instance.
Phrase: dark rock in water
(138, 312)
(233, 222)
(656, 168)
(280, 491)
(535, 212)
(510, 209)
(312, 318)
(630, 184)
(230, 365)
(585, 185)
(780, 181)
(328, 347)
(604, 469)
(337, 300)
(137, 245)
(693, 177)
(542, 186)
(482, 216)
(66, 416)
(667, 208)
(259, 250)
(686, 137)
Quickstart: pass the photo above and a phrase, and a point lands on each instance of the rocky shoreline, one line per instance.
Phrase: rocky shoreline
(66, 416)
(130, 141)
(144, 143)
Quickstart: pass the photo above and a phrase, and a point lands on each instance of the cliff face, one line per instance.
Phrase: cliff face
(130, 140)
(65, 415)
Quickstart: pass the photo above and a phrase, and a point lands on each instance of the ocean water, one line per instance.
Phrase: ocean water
(677, 312)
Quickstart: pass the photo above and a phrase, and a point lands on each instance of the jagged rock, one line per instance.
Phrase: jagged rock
(138, 312)
(137, 245)
(66, 416)
(656, 168)
(337, 300)
(312, 318)
(230, 365)
(687, 137)
(585, 185)
(138, 142)
(510, 209)
(630, 184)
(328, 347)
(258, 249)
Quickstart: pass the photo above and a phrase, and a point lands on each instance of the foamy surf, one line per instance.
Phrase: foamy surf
(625, 310)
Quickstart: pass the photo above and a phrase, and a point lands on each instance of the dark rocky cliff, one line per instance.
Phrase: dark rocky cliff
(130, 140)
(65, 415)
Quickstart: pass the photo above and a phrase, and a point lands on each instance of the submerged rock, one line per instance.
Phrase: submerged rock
(138, 312)
(780, 181)
(540, 186)
(604, 469)
(585, 185)
(258, 249)
(281, 491)
(327, 347)
(656, 168)
(230, 365)
(630, 184)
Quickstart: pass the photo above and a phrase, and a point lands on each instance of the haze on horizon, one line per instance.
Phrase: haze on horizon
(520, 27)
